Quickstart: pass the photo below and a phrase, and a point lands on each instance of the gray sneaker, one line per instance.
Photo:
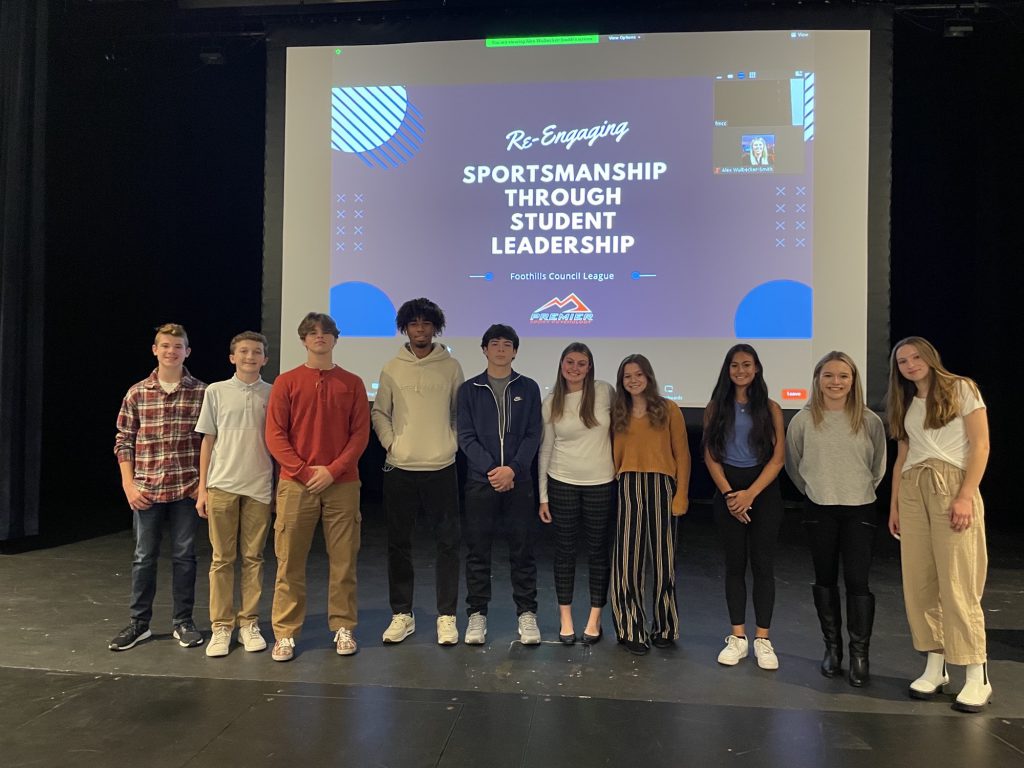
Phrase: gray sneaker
(476, 630)
(529, 632)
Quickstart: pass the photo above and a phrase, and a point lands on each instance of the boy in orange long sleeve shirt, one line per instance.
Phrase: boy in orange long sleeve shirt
(318, 424)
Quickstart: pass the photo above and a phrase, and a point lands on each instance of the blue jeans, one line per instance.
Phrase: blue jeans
(148, 525)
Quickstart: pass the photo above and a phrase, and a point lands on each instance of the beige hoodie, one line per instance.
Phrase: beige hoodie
(414, 411)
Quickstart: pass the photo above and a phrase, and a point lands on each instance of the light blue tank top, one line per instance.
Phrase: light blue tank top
(738, 452)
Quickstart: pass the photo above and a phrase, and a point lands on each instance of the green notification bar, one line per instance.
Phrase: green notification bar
(523, 42)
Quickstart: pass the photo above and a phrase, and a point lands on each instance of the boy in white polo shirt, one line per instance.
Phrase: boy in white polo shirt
(236, 476)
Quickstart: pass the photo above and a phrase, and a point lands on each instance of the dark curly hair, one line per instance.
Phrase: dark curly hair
(419, 309)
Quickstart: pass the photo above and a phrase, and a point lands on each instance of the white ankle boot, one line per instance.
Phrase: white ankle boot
(933, 680)
(976, 691)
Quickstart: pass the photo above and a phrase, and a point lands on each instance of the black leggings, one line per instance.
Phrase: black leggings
(753, 541)
(839, 531)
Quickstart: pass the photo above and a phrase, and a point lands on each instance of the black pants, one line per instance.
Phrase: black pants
(437, 495)
(752, 542)
(485, 510)
(839, 531)
(593, 506)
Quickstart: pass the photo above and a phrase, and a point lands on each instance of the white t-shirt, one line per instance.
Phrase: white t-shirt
(236, 413)
(570, 452)
(948, 444)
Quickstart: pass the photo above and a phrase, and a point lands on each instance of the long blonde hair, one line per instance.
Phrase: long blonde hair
(587, 401)
(854, 406)
(942, 404)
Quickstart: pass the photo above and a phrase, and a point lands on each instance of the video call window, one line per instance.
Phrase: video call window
(753, 102)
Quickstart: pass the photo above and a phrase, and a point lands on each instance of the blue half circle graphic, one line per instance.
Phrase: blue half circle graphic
(779, 309)
(362, 309)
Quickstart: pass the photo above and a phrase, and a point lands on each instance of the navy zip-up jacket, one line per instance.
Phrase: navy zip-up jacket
(488, 444)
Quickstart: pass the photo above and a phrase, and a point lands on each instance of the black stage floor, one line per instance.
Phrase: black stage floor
(64, 698)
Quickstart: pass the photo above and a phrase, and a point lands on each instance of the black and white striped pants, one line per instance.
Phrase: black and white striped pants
(644, 533)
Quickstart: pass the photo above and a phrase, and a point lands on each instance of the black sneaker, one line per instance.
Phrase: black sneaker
(135, 632)
(187, 635)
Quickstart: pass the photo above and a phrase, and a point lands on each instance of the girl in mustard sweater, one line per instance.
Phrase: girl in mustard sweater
(652, 465)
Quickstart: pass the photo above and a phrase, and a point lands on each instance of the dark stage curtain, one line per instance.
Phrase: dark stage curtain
(23, 27)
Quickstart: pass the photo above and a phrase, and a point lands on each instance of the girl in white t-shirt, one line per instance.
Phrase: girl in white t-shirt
(577, 483)
(941, 426)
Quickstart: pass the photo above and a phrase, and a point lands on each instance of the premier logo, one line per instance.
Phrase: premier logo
(568, 311)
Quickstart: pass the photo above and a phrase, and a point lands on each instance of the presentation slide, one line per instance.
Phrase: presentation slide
(666, 194)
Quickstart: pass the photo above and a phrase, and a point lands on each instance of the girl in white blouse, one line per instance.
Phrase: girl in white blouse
(941, 426)
(577, 487)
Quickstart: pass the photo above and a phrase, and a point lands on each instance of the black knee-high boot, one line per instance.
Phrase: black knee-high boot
(860, 616)
(826, 600)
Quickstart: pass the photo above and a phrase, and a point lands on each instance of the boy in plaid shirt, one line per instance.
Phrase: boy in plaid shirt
(157, 449)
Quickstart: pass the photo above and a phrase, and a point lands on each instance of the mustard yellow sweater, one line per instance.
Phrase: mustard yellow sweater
(642, 448)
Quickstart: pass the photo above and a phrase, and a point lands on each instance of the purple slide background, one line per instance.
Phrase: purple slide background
(709, 239)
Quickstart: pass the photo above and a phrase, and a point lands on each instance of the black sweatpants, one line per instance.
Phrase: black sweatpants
(486, 509)
(436, 493)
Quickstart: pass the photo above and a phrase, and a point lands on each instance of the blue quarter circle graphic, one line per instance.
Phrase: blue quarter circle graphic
(362, 309)
(779, 309)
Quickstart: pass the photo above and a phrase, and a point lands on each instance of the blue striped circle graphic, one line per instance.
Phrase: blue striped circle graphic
(376, 123)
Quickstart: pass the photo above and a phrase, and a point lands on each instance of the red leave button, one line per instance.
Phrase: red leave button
(794, 394)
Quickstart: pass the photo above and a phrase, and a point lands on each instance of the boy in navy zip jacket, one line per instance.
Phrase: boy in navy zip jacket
(499, 430)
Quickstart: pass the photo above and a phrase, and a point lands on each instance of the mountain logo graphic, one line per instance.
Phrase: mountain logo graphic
(568, 311)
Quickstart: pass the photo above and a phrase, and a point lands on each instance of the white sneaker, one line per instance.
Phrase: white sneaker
(251, 638)
(529, 632)
(934, 679)
(220, 642)
(736, 648)
(402, 625)
(765, 654)
(976, 692)
(476, 631)
(447, 631)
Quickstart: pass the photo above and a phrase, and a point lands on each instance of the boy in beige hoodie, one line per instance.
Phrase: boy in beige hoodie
(414, 417)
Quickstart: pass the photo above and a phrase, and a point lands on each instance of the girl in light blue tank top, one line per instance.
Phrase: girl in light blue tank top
(744, 450)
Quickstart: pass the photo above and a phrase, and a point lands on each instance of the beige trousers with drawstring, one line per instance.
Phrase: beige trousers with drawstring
(943, 570)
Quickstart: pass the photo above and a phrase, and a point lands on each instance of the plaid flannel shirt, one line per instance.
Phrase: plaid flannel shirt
(156, 431)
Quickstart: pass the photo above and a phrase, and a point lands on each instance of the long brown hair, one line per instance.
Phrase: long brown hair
(657, 414)
(854, 406)
(560, 391)
(942, 403)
